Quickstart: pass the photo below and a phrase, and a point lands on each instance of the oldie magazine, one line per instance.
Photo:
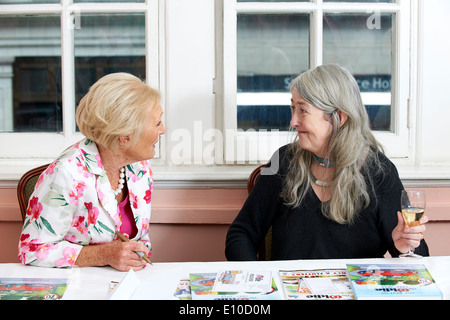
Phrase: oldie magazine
(392, 281)
(318, 284)
(32, 288)
(205, 286)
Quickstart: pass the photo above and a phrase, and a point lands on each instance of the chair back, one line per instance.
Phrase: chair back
(253, 177)
(265, 250)
(25, 187)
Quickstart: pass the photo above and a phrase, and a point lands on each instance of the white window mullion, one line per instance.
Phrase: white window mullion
(68, 23)
(416, 85)
(152, 44)
(230, 79)
(154, 64)
(397, 143)
(18, 9)
(276, 8)
(116, 7)
(360, 7)
(316, 41)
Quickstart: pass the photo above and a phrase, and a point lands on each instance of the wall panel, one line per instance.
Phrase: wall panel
(191, 224)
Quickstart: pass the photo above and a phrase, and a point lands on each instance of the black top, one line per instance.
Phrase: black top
(305, 233)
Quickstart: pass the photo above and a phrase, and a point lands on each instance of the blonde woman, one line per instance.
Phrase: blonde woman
(335, 195)
(100, 185)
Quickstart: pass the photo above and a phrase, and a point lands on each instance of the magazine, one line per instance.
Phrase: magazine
(392, 281)
(183, 291)
(32, 288)
(203, 286)
(318, 284)
(243, 281)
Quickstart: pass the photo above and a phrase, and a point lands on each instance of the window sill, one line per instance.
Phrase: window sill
(232, 176)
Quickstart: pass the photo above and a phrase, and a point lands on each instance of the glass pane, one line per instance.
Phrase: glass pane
(28, 1)
(30, 74)
(363, 43)
(271, 50)
(106, 44)
(263, 117)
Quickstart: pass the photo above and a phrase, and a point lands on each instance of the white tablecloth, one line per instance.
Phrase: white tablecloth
(162, 278)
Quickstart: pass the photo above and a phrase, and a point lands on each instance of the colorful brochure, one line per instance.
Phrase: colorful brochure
(32, 288)
(318, 284)
(233, 285)
(392, 281)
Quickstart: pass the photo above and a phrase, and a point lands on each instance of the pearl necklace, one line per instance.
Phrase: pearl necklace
(121, 181)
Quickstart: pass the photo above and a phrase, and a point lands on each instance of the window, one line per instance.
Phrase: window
(52, 51)
(223, 68)
(268, 43)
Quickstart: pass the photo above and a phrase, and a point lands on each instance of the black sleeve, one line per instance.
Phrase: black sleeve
(249, 228)
(389, 194)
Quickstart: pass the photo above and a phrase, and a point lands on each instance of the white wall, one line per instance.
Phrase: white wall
(434, 144)
(189, 72)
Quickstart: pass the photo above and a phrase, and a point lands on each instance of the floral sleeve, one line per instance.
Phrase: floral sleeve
(48, 218)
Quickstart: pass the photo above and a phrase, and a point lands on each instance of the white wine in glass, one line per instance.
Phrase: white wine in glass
(412, 216)
(413, 208)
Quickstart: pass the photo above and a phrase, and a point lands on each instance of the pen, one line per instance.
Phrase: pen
(139, 253)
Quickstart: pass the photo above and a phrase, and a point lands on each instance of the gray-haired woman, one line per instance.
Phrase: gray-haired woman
(335, 194)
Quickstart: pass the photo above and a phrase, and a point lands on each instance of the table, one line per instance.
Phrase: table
(93, 283)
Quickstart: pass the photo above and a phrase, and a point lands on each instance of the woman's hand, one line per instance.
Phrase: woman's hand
(406, 237)
(120, 255)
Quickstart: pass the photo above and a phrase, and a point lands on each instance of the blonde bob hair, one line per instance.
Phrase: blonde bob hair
(116, 105)
(352, 146)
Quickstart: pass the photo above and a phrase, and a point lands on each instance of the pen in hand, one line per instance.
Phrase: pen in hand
(139, 253)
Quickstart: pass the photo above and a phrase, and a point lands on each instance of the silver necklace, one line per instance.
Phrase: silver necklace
(319, 182)
(121, 181)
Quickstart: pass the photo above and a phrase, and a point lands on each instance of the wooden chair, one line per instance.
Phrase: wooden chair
(265, 250)
(26, 185)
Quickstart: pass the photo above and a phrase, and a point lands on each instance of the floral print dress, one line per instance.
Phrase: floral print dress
(73, 205)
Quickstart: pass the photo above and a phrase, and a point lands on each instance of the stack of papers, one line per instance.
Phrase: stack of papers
(376, 281)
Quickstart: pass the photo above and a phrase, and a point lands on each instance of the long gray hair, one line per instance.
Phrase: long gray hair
(351, 146)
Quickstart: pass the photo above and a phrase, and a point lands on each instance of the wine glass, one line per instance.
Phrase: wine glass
(413, 208)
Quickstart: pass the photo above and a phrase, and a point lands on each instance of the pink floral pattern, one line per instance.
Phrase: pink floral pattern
(73, 205)
(134, 201)
(92, 213)
(148, 196)
(35, 208)
(40, 251)
(76, 192)
(68, 259)
(79, 224)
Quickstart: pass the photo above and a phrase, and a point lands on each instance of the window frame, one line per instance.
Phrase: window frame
(37, 148)
(398, 144)
(211, 87)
